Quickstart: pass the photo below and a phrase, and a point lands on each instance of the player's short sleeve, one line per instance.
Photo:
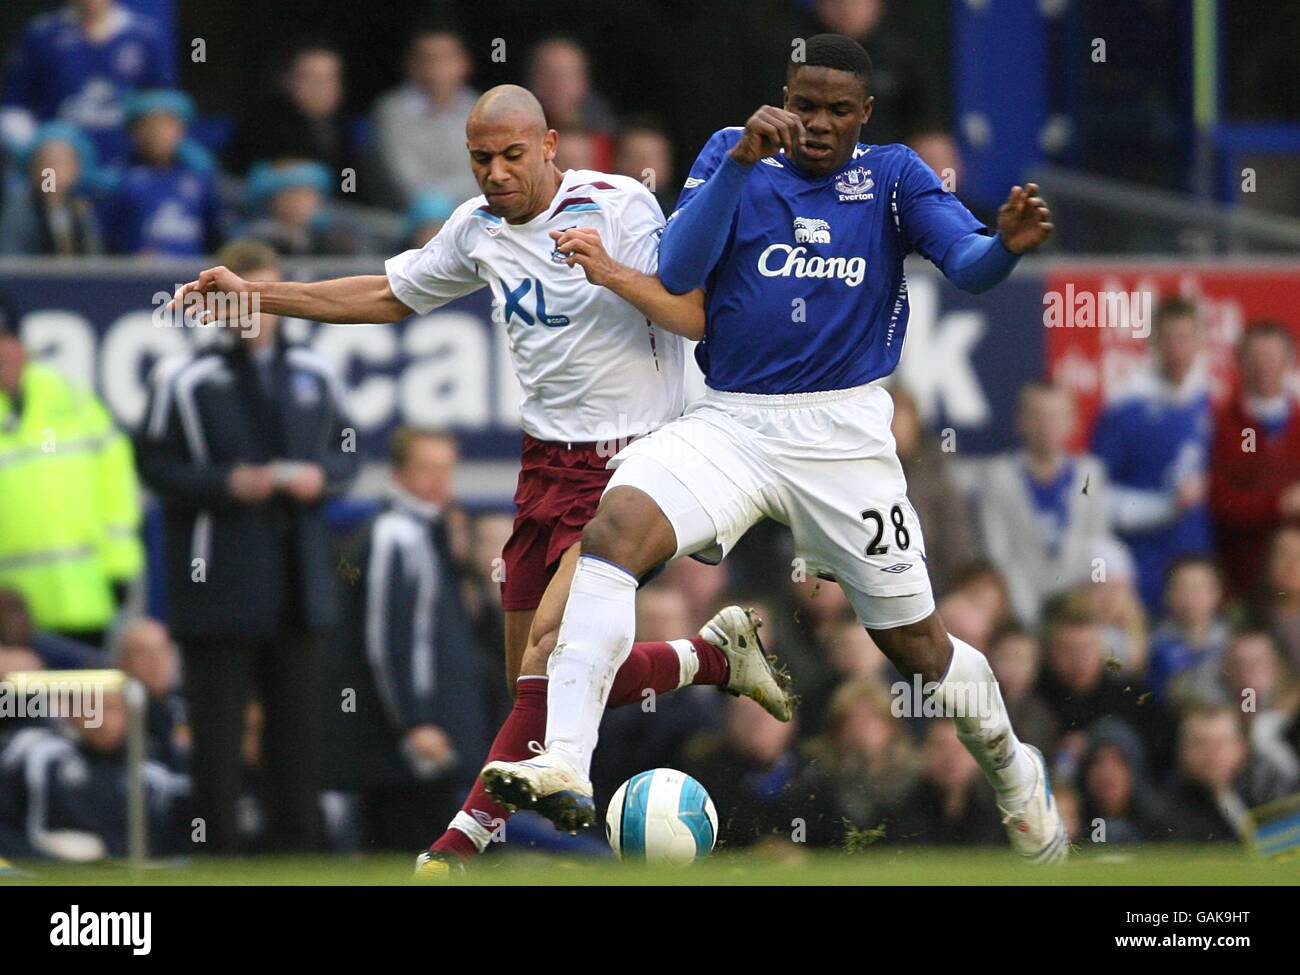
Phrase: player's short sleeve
(640, 225)
(930, 218)
(707, 163)
(428, 277)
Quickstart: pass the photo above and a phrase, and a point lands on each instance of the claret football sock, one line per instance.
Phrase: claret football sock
(971, 696)
(658, 666)
(666, 666)
(480, 816)
(595, 638)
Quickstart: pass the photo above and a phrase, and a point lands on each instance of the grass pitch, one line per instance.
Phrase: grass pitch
(1153, 865)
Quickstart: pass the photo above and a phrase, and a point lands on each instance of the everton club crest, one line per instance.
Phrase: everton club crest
(855, 184)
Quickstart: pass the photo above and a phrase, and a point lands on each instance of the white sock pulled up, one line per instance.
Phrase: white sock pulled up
(971, 696)
(595, 638)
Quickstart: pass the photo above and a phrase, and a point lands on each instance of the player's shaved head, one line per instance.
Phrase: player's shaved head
(504, 105)
(511, 151)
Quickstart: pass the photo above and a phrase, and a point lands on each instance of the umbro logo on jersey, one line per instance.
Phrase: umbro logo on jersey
(692, 182)
(810, 230)
(897, 567)
(855, 184)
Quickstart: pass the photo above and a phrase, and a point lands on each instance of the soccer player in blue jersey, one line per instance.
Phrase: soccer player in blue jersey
(798, 233)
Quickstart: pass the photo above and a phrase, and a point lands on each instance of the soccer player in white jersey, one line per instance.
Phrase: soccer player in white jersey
(590, 362)
(793, 212)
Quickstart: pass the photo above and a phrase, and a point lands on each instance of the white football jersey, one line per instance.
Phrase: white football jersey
(591, 366)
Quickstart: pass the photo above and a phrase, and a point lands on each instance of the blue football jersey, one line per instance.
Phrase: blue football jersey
(169, 211)
(809, 293)
(57, 72)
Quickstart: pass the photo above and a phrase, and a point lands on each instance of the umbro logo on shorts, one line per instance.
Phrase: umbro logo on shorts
(897, 567)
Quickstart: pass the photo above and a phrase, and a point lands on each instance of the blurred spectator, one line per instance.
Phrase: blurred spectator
(420, 125)
(164, 202)
(481, 593)
(405, 725)
(752, 770)
(1015, 656)
(425, 217)
(63, 790)
(802, 638)
(1207, 800)
(1255, 457)
(290, 212)
(847, 654)
(1080, 688)
(1187, 650)
(1252, 675)
(1257, 681)
(934, 493)
(48, 204)
(978, 603)
(862, 766)
(1153, 437)
(78, 65)
(951, 804)
(69, 512)
(301, 118)
(1117, 797)
(645, 153)
(23, 647)
(145, 651)
(1277, 600)
(1042, 509)
(575, 149)
(703, 586)
(249, 570)
(1113, 599)
(559, 74)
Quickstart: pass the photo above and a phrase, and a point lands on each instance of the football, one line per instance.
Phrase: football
(661, 817)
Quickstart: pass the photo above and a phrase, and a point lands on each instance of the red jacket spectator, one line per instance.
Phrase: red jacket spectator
(1246, 487)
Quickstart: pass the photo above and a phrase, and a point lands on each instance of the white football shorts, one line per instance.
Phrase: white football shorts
(822, 463)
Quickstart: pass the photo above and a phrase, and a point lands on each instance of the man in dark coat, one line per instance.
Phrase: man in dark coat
(243, 440)
(405, 722)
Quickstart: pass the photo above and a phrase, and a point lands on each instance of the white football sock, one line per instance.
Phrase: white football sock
(688, 661)
(595, 638)
(971, 696)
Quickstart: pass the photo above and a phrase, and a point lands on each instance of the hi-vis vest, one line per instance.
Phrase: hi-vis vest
(69, 511)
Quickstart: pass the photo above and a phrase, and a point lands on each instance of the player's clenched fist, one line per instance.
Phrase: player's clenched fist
(1024, 221)
(215, 280)
(767, 131)
(581, 246)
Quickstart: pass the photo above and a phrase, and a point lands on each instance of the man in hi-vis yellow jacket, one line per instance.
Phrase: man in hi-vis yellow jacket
(69, 509)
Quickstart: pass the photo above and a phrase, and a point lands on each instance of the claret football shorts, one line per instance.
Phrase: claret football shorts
(558, 490)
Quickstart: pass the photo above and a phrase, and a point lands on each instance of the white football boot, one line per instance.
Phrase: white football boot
(1036, 830)
(548, 784)
(753, 673)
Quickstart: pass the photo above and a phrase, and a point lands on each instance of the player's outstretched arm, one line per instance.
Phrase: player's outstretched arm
(683, 314)
(976, 263)
(363, 299)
